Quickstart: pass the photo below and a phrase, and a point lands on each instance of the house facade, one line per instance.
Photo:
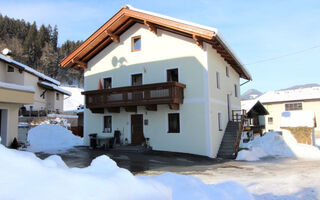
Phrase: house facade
(158, 79)
(291, 100)
(48, 96)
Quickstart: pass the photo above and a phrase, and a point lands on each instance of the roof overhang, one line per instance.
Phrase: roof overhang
(128, 16)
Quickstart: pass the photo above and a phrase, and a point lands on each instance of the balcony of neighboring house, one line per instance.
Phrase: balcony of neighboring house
(150, 96)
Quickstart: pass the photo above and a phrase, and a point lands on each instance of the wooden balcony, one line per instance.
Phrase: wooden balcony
(148, 95)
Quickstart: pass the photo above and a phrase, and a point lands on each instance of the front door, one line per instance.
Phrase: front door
(137, 137)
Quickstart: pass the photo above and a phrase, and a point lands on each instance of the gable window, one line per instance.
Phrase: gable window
(270, 120)
(107, 83)
(235, 90)
(172, 75)
(293, 106)
(218, 80)
(57, 96)
(10, 69)
(136, 79)
(227, 71)
(107, 124)
(136, 43)
(174, 123)
(220, 121)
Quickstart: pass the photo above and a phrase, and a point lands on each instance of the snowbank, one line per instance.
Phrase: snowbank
(297, 119)
(275, 144)
(51, 138)
(103, 179)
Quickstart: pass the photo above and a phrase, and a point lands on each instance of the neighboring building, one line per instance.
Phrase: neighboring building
(11, 97)
(48, 95)
(168, 81)
(302, 99)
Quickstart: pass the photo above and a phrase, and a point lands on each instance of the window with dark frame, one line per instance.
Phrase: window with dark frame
(293, 106)
(10, 69)
(107, 83)
(220, 121)
(172, 75)
(174, 123)
(235, 90)
(57, 96)
(270, 120)
(107, 124)
(227, 71)
(136, 43)
(136, 79)
(218, 79)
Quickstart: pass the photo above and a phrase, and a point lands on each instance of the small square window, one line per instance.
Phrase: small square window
(174, 123)
(136, 43)
(107, 83)
(107, 124)
(220, 121)
(136, 79)
(172, 75)
(57, 96)
(270, 120)
(10, 68)
(218, 80)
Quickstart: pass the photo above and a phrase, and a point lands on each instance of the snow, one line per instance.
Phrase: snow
(62, 116)
(75, 100)
(318, 142)
(55, 87)
(277, 145)
(50, 178)
(29, 69)
(290, 95)
(297, 119)
(16, 87)
(52, 138)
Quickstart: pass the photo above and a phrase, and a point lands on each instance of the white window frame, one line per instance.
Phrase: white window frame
(102, 128)
(220, 121)
(236, 90)
(169, 68)
(135, 73)
(227, 71)
(218, 80)
(105, 78)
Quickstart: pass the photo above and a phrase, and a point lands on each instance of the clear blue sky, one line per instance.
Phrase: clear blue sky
(255, 30)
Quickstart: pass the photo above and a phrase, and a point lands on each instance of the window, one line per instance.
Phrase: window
(107, 124)
(136, 79)
(220, 121)
(107, 83)
(218, 80)
(227, 71)
(44, 95)
(235, 90)
(172, 75)
(270, 120)
(10, 68)
(136, 43)
(174, 123)
(57, 96)
(293, 106)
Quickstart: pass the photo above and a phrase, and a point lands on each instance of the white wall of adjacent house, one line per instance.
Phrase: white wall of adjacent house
(9, 122)
(159, 53)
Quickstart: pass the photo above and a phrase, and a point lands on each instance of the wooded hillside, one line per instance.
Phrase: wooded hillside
(38, 48)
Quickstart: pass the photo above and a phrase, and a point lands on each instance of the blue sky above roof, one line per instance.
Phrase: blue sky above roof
(255, 30)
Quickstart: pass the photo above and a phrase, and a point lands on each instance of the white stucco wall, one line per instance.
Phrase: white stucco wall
(10, 117)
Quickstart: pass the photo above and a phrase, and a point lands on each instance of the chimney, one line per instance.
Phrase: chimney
(7, 52)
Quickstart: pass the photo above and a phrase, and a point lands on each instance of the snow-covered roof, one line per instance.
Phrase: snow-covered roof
(290, 95)
(248, 104)
(12, 86)
(28, 69)
(255, 105)
(54, 87)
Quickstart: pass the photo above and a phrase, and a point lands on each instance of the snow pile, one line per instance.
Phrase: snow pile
(297, 119)
(51, 138)
(103, 179)
(318, 142)
(275, 144)
(75, 100)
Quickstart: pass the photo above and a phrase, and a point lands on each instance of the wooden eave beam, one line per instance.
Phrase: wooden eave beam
(151, 27)
(198, 41)
(113, 36)
(79, 63)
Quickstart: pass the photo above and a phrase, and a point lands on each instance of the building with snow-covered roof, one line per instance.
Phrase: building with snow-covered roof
(48, 96)
(159, 80)
(291, 100)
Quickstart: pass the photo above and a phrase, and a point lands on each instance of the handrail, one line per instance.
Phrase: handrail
(239, 132)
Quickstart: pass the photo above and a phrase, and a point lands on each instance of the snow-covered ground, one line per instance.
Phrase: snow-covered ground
(24, 176)
(76, 99)
(51, 138)
(276, 144)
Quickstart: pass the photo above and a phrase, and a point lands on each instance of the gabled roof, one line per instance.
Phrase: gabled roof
(51, 86)
(27, 69)
(253, 107)
(128, 16)
(300, 94)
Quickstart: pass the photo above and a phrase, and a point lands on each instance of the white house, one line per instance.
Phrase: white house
(152, 76)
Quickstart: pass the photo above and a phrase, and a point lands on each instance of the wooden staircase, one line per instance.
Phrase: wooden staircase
(231, 139)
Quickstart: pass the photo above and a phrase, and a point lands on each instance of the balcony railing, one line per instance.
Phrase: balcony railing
(149, 95)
